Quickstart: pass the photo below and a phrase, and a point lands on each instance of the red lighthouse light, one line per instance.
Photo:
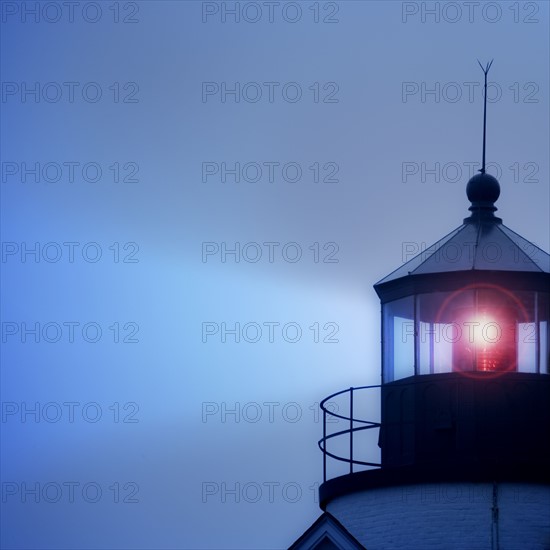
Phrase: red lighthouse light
(483, 329)
(487, 342)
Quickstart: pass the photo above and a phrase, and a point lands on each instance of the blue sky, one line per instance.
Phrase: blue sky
(354, 132)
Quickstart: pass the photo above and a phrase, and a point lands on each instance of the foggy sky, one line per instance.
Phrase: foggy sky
(390, 115)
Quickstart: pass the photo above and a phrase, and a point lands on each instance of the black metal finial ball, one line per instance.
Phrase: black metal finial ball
(483, 188)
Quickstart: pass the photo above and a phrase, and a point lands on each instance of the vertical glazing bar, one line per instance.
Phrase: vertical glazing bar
(351, 430)
(432, 336)
(476, 316)
(416, 333)
(537, 333)
(383, 336)
(324, 445)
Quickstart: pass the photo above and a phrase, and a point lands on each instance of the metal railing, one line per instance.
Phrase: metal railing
(350, 431)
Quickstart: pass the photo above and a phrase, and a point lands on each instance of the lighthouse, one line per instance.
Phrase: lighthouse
(452, 450)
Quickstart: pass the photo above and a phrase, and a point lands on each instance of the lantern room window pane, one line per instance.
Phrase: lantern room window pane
(398, 339)
(544, 351)
(443, 353)
(434, 351)
(403, 347)
(527, 347)
(438, 330)
(425, 348)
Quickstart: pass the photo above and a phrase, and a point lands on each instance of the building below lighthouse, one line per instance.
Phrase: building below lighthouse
(452, 450)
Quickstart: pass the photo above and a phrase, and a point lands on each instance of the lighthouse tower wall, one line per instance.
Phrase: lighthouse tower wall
(454, 516)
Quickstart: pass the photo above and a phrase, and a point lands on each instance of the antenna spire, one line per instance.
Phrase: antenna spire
(485, 71)
(483, 189)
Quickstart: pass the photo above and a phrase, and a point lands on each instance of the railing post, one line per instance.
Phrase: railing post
(351, 430)
(324, 445)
